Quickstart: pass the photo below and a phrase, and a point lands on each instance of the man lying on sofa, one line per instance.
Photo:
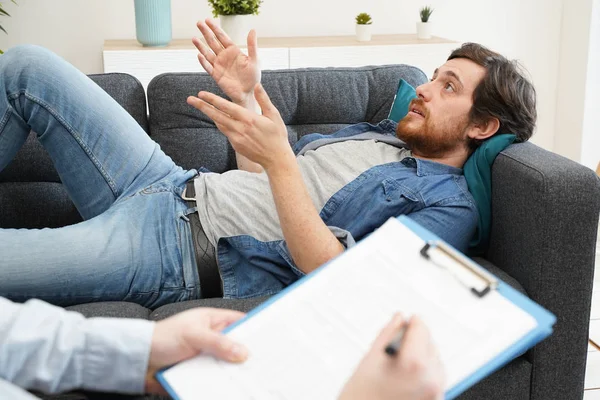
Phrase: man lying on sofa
(281, 215)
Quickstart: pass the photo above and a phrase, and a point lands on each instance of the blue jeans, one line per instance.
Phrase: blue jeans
(135, 241)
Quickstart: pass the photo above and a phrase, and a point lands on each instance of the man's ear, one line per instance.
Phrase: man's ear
(483, 130)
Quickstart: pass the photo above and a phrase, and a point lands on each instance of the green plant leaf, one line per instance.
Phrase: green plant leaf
(234, 7)
(425, 13)
(4, 13)
(363, 19)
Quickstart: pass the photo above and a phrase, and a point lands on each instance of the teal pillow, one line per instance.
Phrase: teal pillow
(477, 169)
(404, 96)
(478, 173)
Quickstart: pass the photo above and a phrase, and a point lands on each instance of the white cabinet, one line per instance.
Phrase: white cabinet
(282, 53)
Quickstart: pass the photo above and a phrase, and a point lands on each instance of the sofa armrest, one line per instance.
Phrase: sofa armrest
(545, 220)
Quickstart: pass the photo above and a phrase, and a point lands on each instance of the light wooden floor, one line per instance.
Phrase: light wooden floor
(592, 373)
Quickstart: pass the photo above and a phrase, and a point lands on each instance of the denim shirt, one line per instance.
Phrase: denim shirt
(432, 194)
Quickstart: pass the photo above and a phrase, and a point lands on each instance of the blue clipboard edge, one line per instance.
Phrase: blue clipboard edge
(544, 318)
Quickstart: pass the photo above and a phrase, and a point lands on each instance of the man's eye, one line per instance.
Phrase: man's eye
(449, 87)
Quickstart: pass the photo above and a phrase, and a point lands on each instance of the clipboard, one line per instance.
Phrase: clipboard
(544, 318)
(465, 268)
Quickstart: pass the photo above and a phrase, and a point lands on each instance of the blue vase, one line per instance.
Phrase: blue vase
(153, 22)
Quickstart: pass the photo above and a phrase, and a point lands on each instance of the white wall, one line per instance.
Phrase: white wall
(528, 30)
(590, 143)
(572, 80)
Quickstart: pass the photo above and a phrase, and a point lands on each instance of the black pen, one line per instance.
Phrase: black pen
(394, 346)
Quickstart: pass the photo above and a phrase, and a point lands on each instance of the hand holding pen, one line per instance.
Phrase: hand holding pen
(403, 363)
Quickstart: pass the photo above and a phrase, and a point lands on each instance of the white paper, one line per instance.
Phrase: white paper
(306, 344)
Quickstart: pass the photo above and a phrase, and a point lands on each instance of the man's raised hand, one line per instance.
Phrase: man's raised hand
(235, 72)
(262, 138)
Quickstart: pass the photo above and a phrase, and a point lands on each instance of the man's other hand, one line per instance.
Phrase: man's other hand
(262, 139)
(234, 72)
(188, 334)
(415, 373)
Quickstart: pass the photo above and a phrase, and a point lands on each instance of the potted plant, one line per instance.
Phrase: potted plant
(235, 17)
(363, 27)
(153, 22)
(4, 13)
(424, 26)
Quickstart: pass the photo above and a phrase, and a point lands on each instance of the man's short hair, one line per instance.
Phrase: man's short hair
(504, 93)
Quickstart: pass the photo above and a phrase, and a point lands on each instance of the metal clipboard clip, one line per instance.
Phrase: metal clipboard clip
(486, 281)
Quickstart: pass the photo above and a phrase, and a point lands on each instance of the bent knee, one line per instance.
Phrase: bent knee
(26, 58)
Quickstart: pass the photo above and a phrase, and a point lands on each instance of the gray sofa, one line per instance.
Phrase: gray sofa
(545, 207)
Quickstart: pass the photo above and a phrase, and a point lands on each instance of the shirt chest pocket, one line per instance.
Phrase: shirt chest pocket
(395, 192)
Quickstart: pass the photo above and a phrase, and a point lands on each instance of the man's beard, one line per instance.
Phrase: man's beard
(428, 139)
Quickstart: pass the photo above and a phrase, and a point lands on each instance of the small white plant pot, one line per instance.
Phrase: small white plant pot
(237, 27)
(423, 30)
(363, 32)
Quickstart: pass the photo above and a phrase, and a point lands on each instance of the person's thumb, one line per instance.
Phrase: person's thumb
(389, 331)
(263, 100)
(219, 345)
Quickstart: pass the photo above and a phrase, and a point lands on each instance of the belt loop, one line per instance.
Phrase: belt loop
(189, 191)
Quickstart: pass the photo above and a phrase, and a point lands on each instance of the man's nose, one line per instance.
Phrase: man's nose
(424, 91)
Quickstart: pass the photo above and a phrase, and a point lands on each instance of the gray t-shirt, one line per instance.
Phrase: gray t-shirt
(241, 203)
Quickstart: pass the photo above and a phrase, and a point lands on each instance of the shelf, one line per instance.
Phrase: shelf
(288, 42)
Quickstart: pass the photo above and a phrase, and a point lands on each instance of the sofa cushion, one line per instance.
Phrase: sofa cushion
(513, 381)
(243, 305)
(36, 205)
(309, 100)
(31, 164)
(128, 91)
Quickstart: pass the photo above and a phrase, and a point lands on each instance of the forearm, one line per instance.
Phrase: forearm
(49, 349)
(309, 240)
(243, 163)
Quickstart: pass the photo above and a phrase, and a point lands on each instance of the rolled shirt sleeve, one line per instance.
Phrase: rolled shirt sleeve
(343, 236)
(49, 349)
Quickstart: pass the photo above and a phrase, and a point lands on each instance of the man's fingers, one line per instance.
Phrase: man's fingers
(218, 345)
(236, 112)
(268, 109)
(219, 33)
(205, 64)
(218, 116)
(204, 50)
(252, 45)
(210, 37)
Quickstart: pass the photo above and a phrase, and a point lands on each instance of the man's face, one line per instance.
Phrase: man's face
(438, 120)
